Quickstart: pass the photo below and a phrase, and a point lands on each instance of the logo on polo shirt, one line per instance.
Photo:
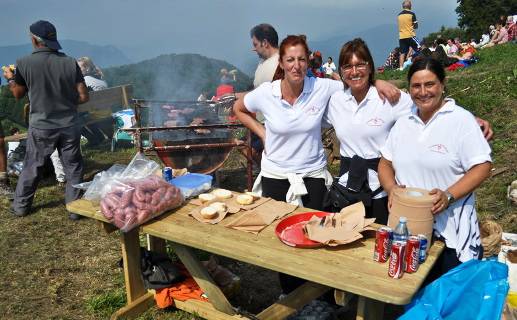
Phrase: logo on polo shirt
(440, 148)
(375, 122)
(313, 109)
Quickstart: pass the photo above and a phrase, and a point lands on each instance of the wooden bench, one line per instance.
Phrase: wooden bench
(99, 109)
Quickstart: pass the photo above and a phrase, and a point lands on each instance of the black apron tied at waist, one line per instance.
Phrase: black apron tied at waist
(357, 187)
(357, 169)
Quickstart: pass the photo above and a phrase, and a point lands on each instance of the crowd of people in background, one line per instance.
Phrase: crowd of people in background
(453, 53)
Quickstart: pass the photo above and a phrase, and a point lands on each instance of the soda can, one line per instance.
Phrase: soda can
(423, 248)
(412, 254)
(167, 174)
(396, 265)
(383, 238)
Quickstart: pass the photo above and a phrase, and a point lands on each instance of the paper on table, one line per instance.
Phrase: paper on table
(232, 202)
(230, 208)
(340, 228)
(196, 214)
(257, 219)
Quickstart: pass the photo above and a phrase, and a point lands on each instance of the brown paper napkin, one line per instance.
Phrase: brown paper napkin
(340, 228)
(196, 214)
(262, 216)
(232, 202)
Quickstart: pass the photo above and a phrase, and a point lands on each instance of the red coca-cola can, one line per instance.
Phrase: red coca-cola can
(396, 265)
(383, 238)
(412, 254)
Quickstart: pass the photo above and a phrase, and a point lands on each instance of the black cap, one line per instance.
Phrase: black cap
(47, 32)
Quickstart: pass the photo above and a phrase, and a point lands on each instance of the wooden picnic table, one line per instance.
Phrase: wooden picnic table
(349, 269)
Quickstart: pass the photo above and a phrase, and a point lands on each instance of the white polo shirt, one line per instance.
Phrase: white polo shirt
(362, 129)
(437, 155)
(265, 70)
(293, 133)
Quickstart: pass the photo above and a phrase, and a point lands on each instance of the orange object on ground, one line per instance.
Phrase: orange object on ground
(182, 291)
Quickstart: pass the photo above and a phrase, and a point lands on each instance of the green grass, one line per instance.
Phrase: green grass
(105, 304)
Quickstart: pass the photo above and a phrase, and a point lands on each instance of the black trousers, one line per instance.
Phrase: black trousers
(277, 189)
(378, 210)
(446, 261)
(41, 143)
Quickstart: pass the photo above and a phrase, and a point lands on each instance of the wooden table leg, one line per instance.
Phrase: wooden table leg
(131, 256)
(294, 301)
(369, 309)
(342, 298)
(156, 244)
(138, 299)
(200, 274)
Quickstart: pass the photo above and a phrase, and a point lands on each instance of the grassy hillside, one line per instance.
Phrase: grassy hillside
(174, 77)
(489, 90)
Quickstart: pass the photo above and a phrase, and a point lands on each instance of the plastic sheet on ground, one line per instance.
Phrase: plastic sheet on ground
(473, 290)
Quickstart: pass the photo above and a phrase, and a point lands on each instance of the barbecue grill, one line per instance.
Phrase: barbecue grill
(197, 135)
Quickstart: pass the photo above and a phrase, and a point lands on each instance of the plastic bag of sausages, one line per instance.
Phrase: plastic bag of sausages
(132, 202)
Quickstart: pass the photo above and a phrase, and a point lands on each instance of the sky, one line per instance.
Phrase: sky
(214, 28)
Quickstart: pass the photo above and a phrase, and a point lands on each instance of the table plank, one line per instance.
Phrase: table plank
(294, 301)
(202, 278)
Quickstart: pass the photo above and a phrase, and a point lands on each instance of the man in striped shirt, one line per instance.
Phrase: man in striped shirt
(407, 38)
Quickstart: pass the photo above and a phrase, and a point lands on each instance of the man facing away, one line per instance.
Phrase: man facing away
(407, 38)
(55, 86)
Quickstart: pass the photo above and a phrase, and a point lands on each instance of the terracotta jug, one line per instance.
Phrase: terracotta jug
(415, 204)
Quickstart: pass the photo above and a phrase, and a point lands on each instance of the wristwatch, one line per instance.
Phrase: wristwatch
(450, 198)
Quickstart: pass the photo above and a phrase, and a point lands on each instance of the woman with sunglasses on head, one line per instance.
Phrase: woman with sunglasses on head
(438, 146)
(362, 121)
(293, 166)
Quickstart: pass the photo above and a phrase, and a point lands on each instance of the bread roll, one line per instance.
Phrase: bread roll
(254, 195)
(205, 197)
(220, 207)
(222, 194)
(244, 199)
(209, 212)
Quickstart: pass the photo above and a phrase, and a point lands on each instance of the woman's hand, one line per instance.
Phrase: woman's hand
(387, 91)
(486, 128)
(390, 195)
(441, 202)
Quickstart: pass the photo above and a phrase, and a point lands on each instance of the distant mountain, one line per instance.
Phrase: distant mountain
(174, 77)
(102, 56)
(380, 40)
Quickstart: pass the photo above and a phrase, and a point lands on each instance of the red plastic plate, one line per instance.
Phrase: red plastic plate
(290, 230)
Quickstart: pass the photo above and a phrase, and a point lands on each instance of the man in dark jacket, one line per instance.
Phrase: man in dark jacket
(55, 86)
